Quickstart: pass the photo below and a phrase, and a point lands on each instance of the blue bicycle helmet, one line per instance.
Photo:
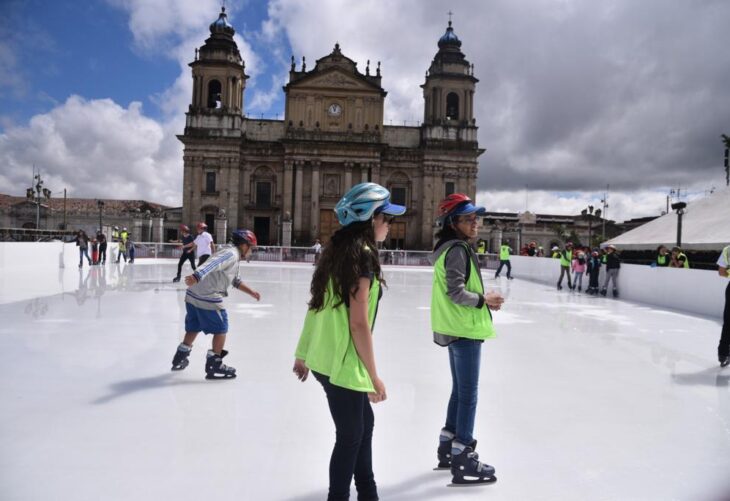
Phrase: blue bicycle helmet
(242, 236)
(363, 201)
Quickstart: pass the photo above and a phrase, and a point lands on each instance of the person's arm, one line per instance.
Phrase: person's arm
(217, 262)
(722, 271)
(362, 338)
(244, 288)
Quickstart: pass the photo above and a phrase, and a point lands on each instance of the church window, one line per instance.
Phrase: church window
(450, 188)
(263, 194)
(398, 195)
(452, 106)
(214, 94)
(210, 182)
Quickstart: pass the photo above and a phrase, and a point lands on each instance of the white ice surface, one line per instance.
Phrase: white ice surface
(581, 398)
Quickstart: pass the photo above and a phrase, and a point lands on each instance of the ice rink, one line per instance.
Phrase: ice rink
(581, 398)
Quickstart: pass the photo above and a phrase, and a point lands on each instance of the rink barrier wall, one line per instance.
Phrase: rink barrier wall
(700, 292)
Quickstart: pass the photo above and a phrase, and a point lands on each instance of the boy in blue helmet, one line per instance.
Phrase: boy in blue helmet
(207, 287)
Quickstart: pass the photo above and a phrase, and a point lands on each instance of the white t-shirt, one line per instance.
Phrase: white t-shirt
(202, 244)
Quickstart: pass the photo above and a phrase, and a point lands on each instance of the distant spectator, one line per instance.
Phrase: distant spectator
(723, 349)
(524, 250)
(679, 259)
(94, 251)
(130, 250)
(566, 257)
(82, 242)
(555, 252)
(481, 246)
(540, 252)
(613, 264)
(115, 234)
(662, 257)
(101, 238)
(317, 248)
(124, 234)
(594, 269)
(204, 246)
(532, 249)
(578, 267)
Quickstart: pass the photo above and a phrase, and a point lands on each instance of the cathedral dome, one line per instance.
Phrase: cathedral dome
(449, 39)
(221, 25)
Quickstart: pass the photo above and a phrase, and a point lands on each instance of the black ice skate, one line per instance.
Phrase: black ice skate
(176, 279)
(468, 470)
(444, 453)
(603, 292)
(180, 360)
(216, 369)
(723, 362)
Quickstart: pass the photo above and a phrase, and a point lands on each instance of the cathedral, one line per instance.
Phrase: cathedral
(282, 178)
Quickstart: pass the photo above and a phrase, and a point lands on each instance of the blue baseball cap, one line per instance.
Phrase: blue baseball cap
(468, 208)
(391, 209)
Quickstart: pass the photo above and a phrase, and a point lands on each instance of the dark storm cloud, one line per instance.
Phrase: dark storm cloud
(574, 95)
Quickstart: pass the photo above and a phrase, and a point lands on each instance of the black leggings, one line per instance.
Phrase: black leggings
(189, 256)
(102, 253)
(353, 452)
(723, 349)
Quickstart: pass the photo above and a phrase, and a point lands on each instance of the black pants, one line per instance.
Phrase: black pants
(502, 263)
(186, 256)
(564, 270)
(723, 349)
(593, 282)
(353, 452)
(203, 259)
(102, 253)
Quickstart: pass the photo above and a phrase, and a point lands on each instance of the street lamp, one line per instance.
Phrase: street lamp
(100, 205)
(34, 193)
(679, 207)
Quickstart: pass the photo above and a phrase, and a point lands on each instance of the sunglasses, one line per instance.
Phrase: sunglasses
(468, 219)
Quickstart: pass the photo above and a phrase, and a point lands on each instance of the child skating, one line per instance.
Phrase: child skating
(579, 268)
(594, 270)
(204, 304)
(461, 320)
(336, 340)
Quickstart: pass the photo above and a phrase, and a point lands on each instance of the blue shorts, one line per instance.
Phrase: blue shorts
(208, 321)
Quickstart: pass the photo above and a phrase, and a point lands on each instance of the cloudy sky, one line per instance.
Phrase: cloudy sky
(573, 95)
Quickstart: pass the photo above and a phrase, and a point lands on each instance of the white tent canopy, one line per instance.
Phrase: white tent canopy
(705, 226)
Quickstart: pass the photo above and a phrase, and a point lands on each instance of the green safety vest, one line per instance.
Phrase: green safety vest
(686, 261)
(726, 255)
(556, 255)
(504, 252)
(661, 260)
(326, 345)
(604, 258)
(455, 319)
(482, 248)
(566, 259)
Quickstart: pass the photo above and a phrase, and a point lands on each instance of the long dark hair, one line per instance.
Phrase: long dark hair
(446, 233)
(351, 249)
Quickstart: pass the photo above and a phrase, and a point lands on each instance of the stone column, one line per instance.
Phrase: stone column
(299, 175)
(234, 171)
(288, 181)
(427, 197)
(314, 219)
(348, 176)
(375, 172)
(363, 173)
(221, 228)
(158, 229)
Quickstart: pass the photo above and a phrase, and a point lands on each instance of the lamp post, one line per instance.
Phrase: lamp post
(100, 205)
(34, 193)
(679, 207)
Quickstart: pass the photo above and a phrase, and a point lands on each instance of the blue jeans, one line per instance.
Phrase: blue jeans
(84, 251)
(464, 358)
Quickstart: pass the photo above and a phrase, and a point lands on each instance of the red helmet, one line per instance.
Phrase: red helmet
(201, 226)
(244, 237)
(450, 203)
(184, 228)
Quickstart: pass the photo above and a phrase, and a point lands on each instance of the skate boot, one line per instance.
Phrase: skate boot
(467, 469)
(615, 293)
(216, 369)
(446, 440)
(560, 287)
(176, 279)
(603, 292)
(723, 362)
(180, 360)
(580, 288)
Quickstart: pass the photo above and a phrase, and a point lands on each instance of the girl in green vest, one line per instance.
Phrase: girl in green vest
(461, 320)
(336, 340)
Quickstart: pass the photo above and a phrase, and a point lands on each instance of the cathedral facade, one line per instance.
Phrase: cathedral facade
(282, 178)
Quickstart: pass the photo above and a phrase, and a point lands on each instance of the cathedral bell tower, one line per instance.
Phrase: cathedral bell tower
(449, 93)
(219, 79)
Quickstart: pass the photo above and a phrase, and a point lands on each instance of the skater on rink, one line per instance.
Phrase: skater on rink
(723, 349)
(566, 257)
(613, 266)
(204, 246)
(504, 251)
(461, 320)
(82, 242)
(188, 254)
(336, 339)
(204, 304)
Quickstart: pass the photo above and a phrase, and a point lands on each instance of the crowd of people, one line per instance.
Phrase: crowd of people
(98, 246)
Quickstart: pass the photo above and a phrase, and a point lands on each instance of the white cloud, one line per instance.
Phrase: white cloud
(94, 148)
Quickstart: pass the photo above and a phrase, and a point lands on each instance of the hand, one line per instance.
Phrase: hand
(494, 300)
(254, 295)
(190, 280)
(379, 395)
(300, 369)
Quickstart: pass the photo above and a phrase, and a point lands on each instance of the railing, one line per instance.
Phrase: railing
(276, 254)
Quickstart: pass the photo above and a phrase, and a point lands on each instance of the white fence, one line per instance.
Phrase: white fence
(700, 292)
